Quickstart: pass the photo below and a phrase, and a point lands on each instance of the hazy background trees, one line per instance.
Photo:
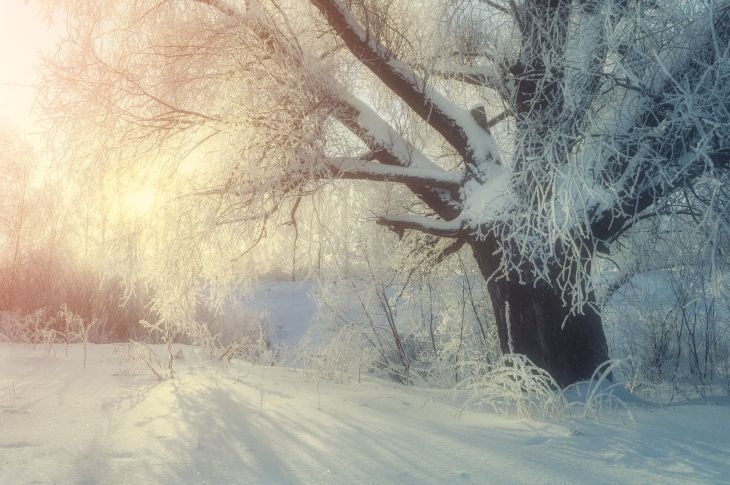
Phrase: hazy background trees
(52, 248)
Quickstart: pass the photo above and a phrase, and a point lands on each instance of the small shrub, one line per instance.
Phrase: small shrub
(598, 396)
(138, 356)
(514, 386)
(340, 359)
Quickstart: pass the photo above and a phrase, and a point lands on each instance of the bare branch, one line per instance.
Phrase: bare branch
(497, 6)
(483, 77)
(349, 168)
(425, 225)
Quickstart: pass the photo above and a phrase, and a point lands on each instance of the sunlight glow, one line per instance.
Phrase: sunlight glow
(139, 202)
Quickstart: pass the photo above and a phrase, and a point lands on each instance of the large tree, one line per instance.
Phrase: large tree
(535, 132)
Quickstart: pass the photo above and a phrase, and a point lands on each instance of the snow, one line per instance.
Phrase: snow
(483, 202)
(386, 136)
(249, 424)
(62, 423)
(112, 422)
(480, 143)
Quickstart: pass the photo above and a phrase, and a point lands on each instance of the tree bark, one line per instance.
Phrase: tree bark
(532, 319)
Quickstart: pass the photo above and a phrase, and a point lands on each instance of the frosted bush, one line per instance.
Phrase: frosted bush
(206, 340)
(75, 329)
(514, 386)
(450, 364)
(674, 325)
(238, 332)
(7, 394)
(41, 329)
(599, 397)
(340, 359)
(139, 357)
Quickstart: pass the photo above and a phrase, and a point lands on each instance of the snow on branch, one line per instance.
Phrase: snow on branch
(222, 7)
(357, 116)
(377, 134)
(454, 123)
(392, 148)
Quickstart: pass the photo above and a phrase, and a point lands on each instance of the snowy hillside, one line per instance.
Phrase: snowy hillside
(288, 308)
(61, 423)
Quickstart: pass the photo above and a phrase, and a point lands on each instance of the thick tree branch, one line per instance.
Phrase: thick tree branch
(356, 169)
(375, 133)
(451, 121)
(390, 148)
(399, 224)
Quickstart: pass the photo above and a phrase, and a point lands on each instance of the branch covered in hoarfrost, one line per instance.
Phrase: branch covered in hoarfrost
(391, 148)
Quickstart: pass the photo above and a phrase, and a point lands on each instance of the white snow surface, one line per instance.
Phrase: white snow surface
(484, 202)
(251, 424)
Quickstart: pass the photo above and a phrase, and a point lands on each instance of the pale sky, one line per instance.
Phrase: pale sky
(24, 33)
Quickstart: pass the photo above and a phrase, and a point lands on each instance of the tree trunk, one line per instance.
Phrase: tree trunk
(532, 320)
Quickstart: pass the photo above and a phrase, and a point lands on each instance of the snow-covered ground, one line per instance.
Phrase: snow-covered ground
(63, 423)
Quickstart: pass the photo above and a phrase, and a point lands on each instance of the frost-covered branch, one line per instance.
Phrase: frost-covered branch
(391, 148)
(681, 134)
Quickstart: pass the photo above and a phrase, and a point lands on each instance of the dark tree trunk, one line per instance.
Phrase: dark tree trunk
(532, 320)
(531, 316)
